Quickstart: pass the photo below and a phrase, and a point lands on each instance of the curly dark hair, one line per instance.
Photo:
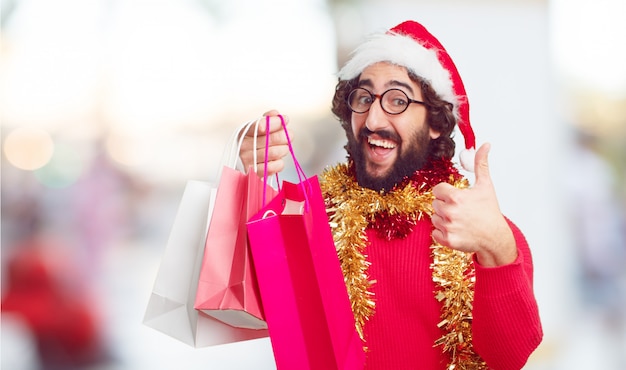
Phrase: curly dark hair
(440, 116)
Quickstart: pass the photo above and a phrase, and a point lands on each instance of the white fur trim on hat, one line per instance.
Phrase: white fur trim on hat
(467, 157)
(403, 51)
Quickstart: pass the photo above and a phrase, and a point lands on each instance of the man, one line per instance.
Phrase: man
(437, 276)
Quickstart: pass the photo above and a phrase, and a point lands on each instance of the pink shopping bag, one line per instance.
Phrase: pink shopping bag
(305, 299)
(227, 288)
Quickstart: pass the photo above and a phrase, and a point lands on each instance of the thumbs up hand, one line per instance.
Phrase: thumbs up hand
(470, 220)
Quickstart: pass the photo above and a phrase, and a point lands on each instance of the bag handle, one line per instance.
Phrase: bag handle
(230, 157)
(241, 133)
(299, 171)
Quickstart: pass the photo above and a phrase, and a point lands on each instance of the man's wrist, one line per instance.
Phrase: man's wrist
(501, 251)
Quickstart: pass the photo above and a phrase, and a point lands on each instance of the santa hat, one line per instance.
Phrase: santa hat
(410, 45)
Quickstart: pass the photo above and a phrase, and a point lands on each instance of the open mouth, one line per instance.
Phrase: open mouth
(379, 147)
(381, 143)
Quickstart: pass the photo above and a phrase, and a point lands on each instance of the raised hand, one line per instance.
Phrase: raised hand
(470, 220)
(278, 147)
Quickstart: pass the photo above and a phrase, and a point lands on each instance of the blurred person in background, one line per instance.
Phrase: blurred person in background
(437, 276)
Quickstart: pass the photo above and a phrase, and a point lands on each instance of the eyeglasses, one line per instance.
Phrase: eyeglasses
(393, 101)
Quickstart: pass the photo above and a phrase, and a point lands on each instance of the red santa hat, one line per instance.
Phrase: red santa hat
(410, 45)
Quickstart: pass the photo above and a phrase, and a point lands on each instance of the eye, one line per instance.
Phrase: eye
(396, 98)
(361, 97)
(360, 100)
(364, 98)
(399, 102)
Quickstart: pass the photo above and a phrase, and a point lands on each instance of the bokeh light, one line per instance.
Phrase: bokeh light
(64, 168)
(128, 150)
(28, 148)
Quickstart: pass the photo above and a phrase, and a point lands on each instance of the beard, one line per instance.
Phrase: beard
(411, 157)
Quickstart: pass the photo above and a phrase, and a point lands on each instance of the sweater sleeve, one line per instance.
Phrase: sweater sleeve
(506, 326)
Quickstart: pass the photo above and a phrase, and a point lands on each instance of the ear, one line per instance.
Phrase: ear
(434, 134)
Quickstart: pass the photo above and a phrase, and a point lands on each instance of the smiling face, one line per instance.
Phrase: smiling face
(385, 147)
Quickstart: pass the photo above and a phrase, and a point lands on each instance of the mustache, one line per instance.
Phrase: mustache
(365, 132)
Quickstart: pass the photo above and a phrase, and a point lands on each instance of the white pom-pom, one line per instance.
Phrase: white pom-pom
(467, 159)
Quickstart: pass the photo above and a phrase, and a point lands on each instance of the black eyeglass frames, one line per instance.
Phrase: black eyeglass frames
(393, 101)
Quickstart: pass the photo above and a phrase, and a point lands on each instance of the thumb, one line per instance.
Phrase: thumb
(271, 112)
(481, 164)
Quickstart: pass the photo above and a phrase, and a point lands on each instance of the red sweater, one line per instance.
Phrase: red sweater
(401, 333)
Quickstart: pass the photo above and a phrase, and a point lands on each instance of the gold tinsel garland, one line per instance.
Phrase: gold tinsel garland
(453, 274)
(352, 209)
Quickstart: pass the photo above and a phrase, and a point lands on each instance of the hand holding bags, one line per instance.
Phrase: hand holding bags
(171, 305)
(305, 299)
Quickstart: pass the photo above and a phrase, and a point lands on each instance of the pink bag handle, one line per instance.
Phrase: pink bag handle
(299, 170)
(267, 144)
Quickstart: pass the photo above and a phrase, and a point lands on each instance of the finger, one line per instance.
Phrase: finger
(275, 124)
(273, 167)
(439, 236)
(275, 152)
(437, 207)
(274, 139)
(437, 220)
(271, 112)
(277, 138)
(481, 164)
(442, 191)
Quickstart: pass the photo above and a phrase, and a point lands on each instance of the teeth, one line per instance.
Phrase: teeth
(381, 143)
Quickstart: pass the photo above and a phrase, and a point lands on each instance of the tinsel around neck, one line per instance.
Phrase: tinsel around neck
(392, 214)
(353, 209)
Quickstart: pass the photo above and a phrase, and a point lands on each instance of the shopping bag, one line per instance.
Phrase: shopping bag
(227, 287)
(305, 299)
(170, 307)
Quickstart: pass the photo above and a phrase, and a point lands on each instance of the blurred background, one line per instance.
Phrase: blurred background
(108, 107)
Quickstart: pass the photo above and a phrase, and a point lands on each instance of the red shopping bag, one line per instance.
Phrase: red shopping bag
(305, 299)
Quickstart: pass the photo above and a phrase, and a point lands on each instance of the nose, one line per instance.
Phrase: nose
(376, 117)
